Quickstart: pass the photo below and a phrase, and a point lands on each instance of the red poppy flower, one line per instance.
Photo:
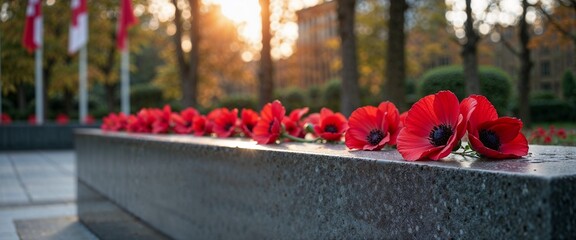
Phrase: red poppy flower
(403, 119)
(62, 119)
(331, 126)
(32, 119)
(293, 123)
(226, 122)
(183, 121)
(162, 118)
(249, 119)
(89, 119)
(433, 127)
(312, 120)
(491, 136)
(202, 125)
(114, 122)
(269, 127)
(371, 128)
(142, 122)
(5, 118)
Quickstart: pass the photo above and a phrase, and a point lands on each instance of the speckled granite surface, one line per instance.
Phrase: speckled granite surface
(206, 188)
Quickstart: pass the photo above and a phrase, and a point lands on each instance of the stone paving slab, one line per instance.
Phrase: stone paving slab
(60, 228)
(37, 196)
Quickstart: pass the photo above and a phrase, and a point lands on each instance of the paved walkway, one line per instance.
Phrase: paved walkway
(37, 196)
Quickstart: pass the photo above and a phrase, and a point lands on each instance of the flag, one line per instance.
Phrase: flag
(78, 35)
(33, 27)
(126, 19)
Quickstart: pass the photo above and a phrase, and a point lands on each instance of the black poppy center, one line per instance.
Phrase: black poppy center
(375, 136)
(250, 127)
(228, 126)
(440, 135)
(489, 139)
(331, 129)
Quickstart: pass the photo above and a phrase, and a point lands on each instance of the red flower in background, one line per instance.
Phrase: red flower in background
(183, 121)
(5, 118)
(433, 127)
(226, 122)
(331, 126)
(293, 124)
(202, 125)
(62, 119)
(269, 127)
(162, 123)
(249, 118)
(491, 136)
(371, 128)
(114, 122)
(32, 120)
(89, 119)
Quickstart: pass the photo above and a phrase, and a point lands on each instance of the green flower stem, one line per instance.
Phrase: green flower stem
(297, 139)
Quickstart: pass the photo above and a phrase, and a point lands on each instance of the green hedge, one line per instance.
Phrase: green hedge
(239, 101)
(552, 111)
(494, 84)
(145, 96)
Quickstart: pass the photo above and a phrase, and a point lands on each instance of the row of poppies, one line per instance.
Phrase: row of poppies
(431, 129)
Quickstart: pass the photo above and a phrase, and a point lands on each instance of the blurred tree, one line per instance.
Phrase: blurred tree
(559, 30)
(187, 67)
(61, 69)
(266, 72)
(371, 30)
(396, 59)
(470, 53)
(222, 69)
(350, 92)
(525, 68)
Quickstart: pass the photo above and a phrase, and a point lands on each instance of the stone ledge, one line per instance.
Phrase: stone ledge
(204, 188)
(32, 137)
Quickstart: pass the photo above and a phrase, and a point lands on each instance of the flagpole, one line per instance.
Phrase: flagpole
(125, 78)
(0, 76)
(39, 87)
(83, 92)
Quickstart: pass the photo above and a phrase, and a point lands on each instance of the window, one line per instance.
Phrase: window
(545, 68)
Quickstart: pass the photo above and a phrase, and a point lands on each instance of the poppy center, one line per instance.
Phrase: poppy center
(440, 135)
(250, 127)
(331, 129)
(228, 126)
(489, 139)
(375, 136)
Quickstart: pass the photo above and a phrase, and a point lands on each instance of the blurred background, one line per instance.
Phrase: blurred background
(402, 50)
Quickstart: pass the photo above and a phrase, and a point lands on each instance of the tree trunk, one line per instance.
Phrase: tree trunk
(349, 93)
(394, 89)
(68, 103)
(525, 67)
(194, 53)
(469, 54)
(265, 75)
(183, 66)
(22, 104)
(111, 97)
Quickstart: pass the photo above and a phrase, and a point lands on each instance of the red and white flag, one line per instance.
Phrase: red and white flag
(33, 27)
(126, 19)
(78, 35)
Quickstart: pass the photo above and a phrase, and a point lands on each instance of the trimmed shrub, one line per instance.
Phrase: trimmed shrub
(292, 98)
(239, 101)
(331, 94)
(494, 84)
(568, 86)
(145, 96)
(552, 111)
